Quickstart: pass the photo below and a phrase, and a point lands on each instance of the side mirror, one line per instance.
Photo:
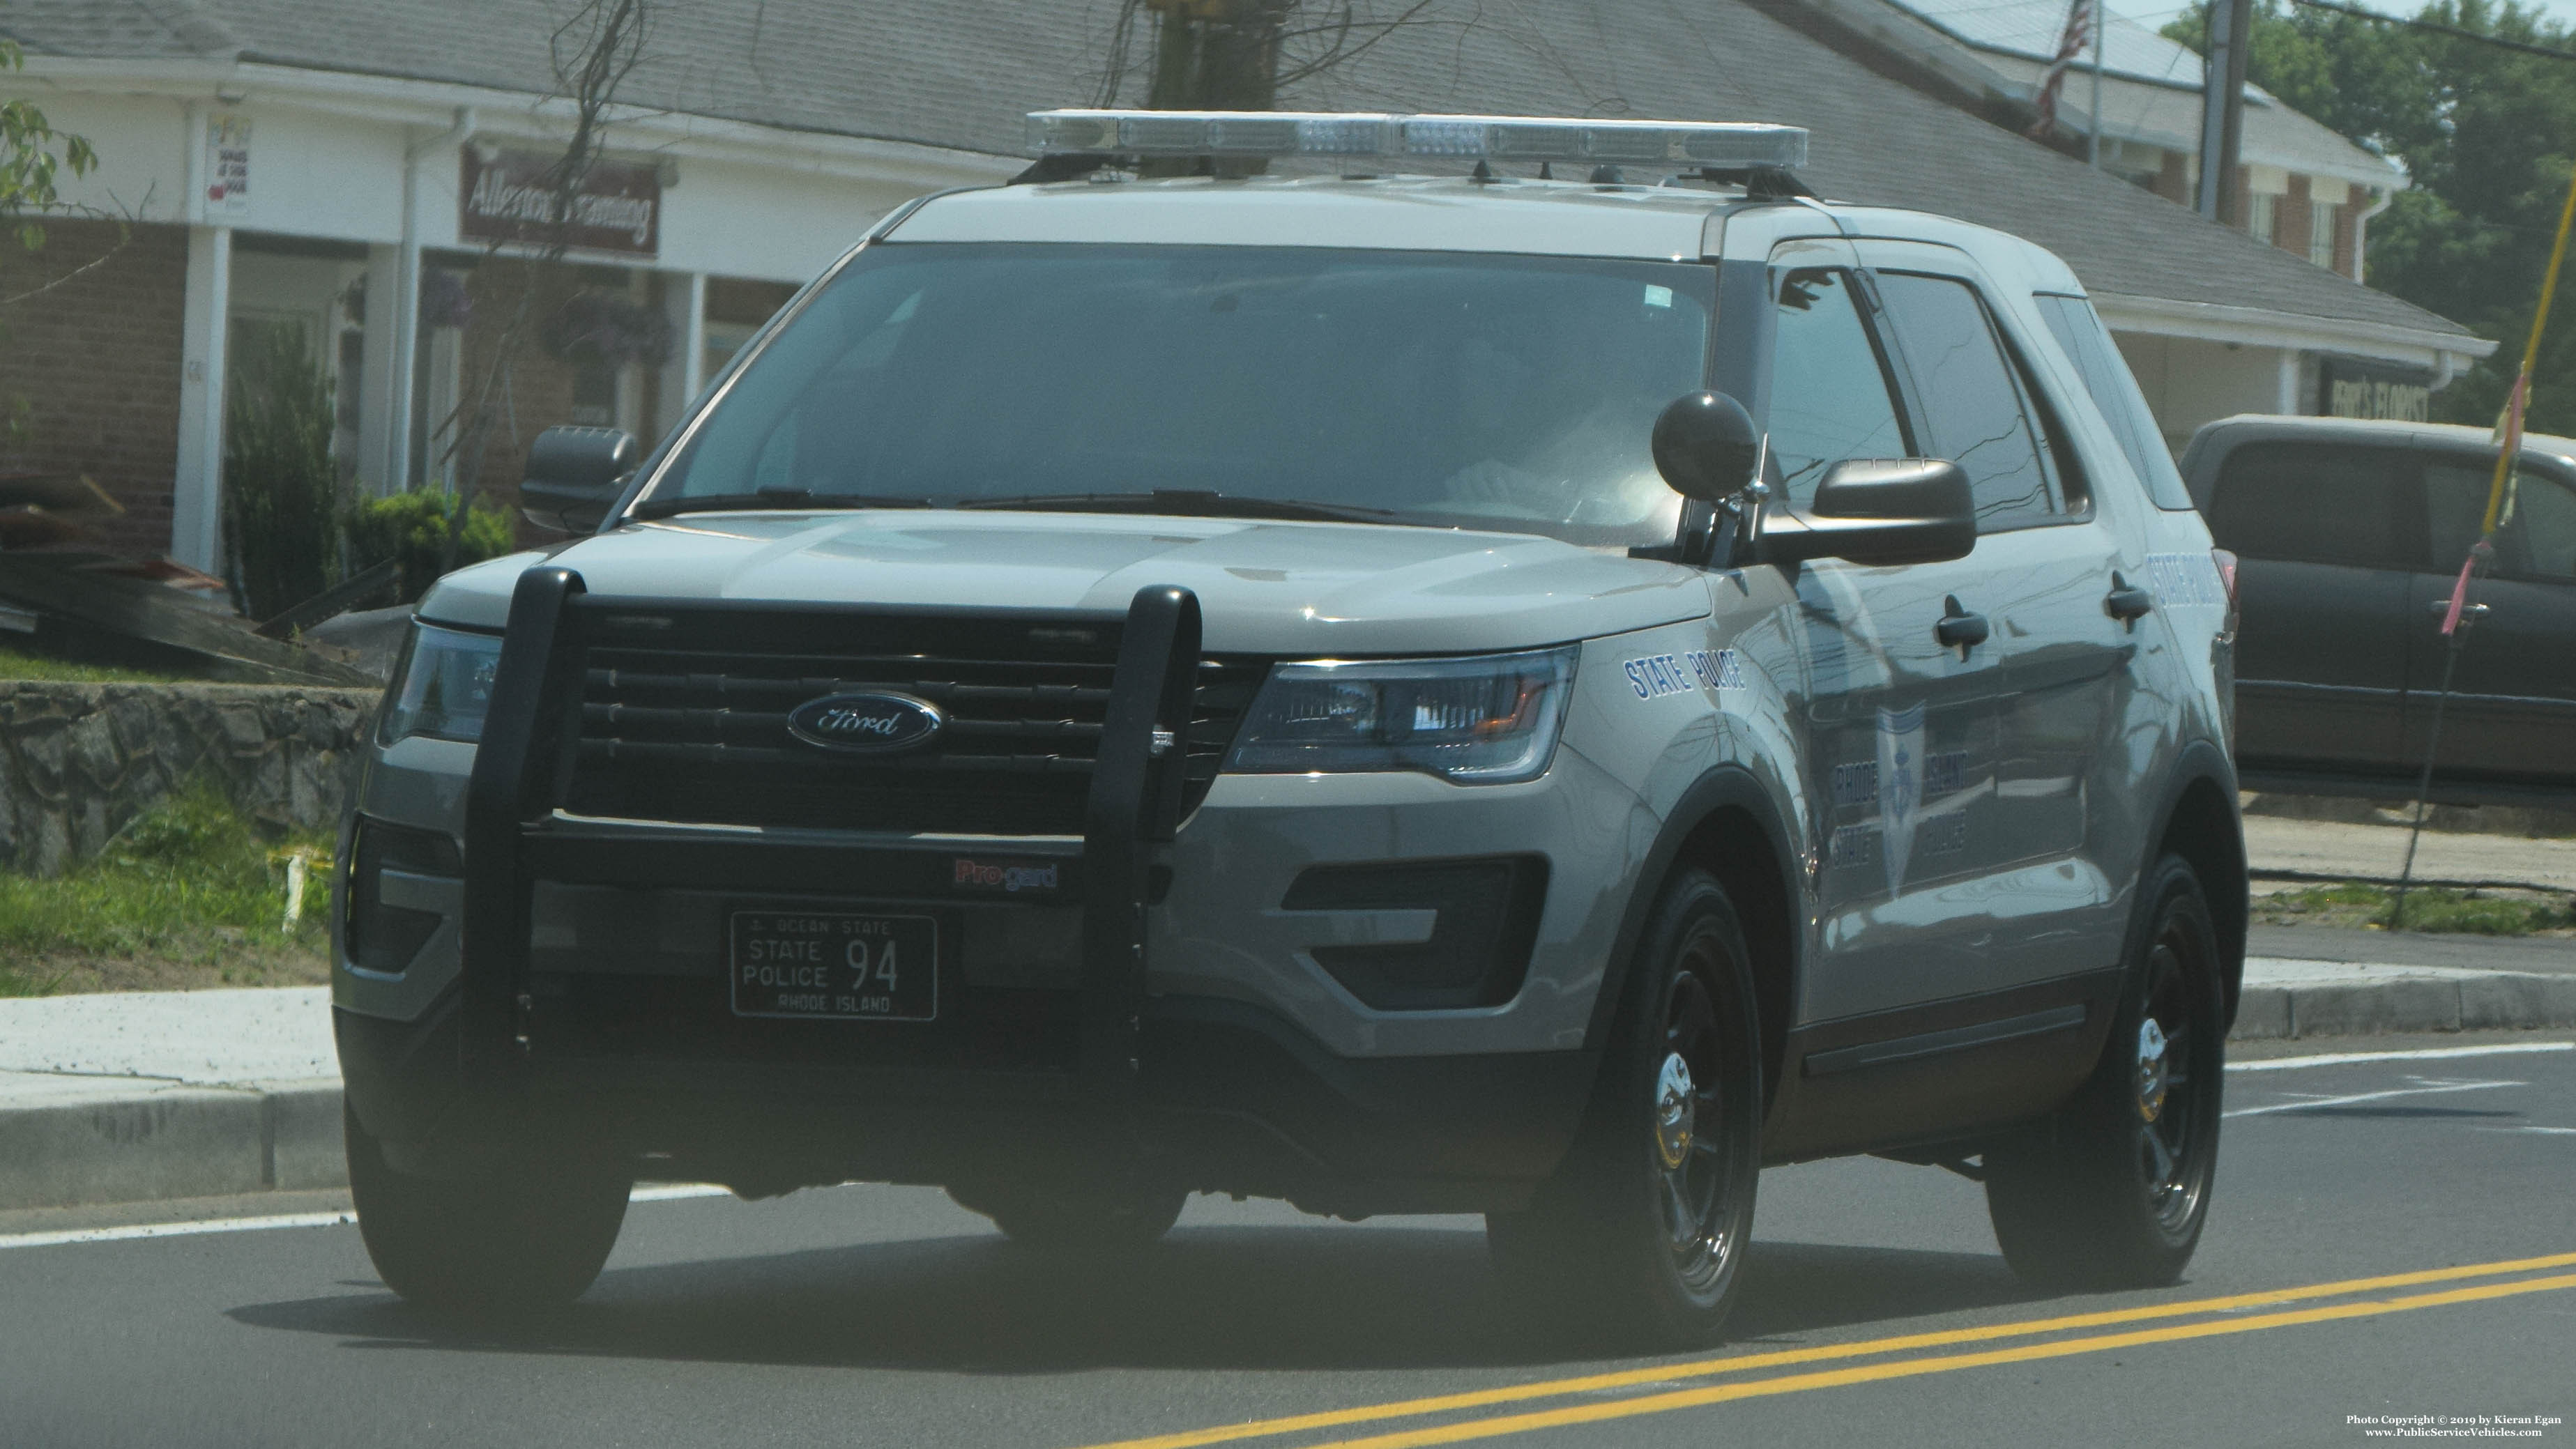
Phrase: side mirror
(1706, 445)
(1879, 511)
(573, 475)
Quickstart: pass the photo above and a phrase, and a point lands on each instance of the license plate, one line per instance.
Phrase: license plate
(834, 965)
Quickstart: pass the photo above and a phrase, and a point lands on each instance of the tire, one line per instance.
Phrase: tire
(1643, 1232)
(1076, 1218)
(2112, 1189)
(529, 1239)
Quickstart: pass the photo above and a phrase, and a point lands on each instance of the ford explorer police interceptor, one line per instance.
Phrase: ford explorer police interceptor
(1470, 693)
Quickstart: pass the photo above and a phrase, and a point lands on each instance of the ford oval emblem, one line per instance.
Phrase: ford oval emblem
(865, 724)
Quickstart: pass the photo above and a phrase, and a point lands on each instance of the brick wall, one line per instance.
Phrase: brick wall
(96, 361)
(2296, 225)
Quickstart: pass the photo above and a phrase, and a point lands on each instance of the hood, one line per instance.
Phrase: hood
(1310, 589)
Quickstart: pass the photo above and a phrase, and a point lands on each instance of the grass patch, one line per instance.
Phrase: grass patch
(16, 665)
(190, 893)
(2430, 909)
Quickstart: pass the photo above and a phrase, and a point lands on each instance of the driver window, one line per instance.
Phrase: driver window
(1829, 394)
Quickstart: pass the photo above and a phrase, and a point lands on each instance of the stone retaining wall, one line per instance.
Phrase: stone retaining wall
(77, 761)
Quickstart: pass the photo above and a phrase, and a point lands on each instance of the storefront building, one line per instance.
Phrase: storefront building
(383, 221)
(360, 171)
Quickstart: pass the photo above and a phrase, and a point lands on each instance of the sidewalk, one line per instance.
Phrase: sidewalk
(148, 1096)
(2336, 850)
(167, 1094)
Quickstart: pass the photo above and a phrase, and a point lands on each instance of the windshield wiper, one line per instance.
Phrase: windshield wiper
(779, 498)
(1188, 502)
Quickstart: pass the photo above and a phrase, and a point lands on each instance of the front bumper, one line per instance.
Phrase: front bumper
(1119, 993)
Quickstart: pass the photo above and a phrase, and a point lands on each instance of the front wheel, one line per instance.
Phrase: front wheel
(2112, 1189)
(1645, 1227)
(531, 1238)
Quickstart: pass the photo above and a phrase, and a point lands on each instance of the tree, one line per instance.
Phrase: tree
(2487, 137)
(32, 154)
(593, 51)
(1235, 55)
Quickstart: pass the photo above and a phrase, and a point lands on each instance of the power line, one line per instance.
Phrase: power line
(2436, 26)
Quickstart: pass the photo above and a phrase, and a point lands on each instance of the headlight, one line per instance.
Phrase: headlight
(444, 687)
(1488, 720)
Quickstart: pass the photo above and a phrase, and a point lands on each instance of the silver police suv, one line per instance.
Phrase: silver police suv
(1407, 694)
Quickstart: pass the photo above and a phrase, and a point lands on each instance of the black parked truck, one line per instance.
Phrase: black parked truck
(2349, 536)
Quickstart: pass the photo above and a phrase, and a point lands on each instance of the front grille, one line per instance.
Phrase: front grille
(689, 723)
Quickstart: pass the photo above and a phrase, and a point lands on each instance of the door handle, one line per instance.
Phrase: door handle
(2127, 602)
(2438, 607)
(1960, 629)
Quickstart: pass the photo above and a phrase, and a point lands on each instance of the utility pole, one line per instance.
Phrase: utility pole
(2222, 107)
(2101, 27)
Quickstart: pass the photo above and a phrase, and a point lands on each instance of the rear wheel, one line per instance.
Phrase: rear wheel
(2111, 1190)
(533, 1237)
(1066, 1217)
(1645, 1228)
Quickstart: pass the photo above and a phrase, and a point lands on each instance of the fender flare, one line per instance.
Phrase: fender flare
(1724, 786)
(2202, 761)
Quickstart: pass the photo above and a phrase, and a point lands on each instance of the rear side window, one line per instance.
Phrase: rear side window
(2313, 503)
(1973, 407)
(2115, 391)
(1829, 394)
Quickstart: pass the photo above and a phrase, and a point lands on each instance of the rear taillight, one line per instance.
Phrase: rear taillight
(2226, 573)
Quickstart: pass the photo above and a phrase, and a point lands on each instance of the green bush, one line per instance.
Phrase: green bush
(190, 867)
(411, 528)
(281, 487)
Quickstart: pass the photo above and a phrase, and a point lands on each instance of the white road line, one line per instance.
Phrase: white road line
(174, 1230)
(2425, 1091)
(2543, 1131)
(665, 1192)
(2336, 1059)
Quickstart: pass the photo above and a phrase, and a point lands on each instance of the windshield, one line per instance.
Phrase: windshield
(1502, 392)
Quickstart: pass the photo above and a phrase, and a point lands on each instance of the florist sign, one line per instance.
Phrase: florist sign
(509, 196)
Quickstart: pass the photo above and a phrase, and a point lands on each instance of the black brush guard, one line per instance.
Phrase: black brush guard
(523, 768)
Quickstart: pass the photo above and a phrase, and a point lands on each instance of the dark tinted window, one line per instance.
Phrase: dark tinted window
(1829, 396)
(2115, 391)
(2535, 535)
(1446, 388)
(1973, 406)
(2314, 503)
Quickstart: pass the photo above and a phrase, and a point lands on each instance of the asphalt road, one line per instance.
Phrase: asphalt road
(883, 1316)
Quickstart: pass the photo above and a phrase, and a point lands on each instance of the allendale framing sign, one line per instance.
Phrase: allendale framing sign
(509, 196)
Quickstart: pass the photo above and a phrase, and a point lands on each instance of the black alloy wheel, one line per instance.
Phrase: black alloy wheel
(1641, 1234)
(1696, 1173)
(2112, 1189)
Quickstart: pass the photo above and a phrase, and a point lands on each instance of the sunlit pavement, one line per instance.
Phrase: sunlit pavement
(2389, 1237)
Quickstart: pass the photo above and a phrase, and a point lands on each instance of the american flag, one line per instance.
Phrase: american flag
(2070, 47)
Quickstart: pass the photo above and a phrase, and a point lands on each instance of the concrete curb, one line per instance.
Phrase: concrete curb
(2427, 1002)
(135, 1146)
(100, 1140)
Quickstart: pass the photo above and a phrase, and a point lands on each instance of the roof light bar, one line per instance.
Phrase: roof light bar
(1724, 144)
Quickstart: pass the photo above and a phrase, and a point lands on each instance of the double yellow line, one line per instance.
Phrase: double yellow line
(2213, 1313)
